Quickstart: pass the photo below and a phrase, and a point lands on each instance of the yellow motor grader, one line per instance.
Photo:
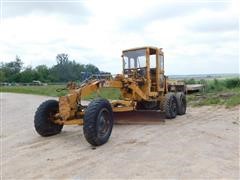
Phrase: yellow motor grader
(143, 86)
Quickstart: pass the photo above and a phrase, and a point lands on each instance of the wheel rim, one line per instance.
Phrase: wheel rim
(51, 114)
(103, 123)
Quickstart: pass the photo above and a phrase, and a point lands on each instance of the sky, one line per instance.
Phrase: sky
(197, 37)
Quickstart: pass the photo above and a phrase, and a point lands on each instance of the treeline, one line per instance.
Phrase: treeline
(65, 70)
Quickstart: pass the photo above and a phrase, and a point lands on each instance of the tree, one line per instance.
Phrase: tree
(12, 69)
(62, 58)
(28, 75)
(15, 66)
(64, 70)
(42, 73)
(2, 76)
(90, 68)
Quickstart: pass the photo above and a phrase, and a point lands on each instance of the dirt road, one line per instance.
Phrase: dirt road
(202, 144)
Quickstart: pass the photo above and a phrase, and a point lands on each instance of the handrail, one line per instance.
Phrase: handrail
(96, 77)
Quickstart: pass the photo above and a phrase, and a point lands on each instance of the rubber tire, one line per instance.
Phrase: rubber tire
(162, 105)
(43, 125)
(181, 103)
(91, 121)
(170, 111)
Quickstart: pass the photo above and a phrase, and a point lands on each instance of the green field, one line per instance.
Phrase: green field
(51, 90)
(217, 92)
(108, 93)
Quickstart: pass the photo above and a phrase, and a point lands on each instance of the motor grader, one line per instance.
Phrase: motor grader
(143, 86)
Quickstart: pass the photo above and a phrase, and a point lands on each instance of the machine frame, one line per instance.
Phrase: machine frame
(143, 85)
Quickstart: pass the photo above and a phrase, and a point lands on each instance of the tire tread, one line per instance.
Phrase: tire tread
(42, 125)
(90, 124)
(167, 105)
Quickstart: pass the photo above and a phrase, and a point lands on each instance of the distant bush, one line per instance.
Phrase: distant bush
(195, 81)
(216, 84)
(222, 84)
(191, 81)
(232, 83)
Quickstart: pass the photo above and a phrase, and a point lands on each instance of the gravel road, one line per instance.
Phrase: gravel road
(204, 143)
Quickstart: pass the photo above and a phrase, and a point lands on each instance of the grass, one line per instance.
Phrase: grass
(208, 100)
(226, 97)
(49, 90)
(108, 93)
(233, 101)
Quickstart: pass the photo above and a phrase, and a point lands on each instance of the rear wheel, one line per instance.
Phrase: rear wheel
(170, 106)
(44, 116)
(98, 122)
(181, 103)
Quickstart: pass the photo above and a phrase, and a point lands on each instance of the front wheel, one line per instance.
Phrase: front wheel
(98, 122)
(44, 116)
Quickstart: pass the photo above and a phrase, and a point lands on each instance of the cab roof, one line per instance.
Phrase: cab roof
(138, 48)
(152, 49)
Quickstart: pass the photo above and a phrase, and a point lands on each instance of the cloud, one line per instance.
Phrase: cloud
(72, 11)
(216, 25)
(196, 37)
(167, 10)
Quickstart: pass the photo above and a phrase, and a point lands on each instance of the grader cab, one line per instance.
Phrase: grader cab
(143, 86)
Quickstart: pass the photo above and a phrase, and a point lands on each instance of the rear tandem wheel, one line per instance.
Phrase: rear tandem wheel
(181, 103)
(170, 105)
